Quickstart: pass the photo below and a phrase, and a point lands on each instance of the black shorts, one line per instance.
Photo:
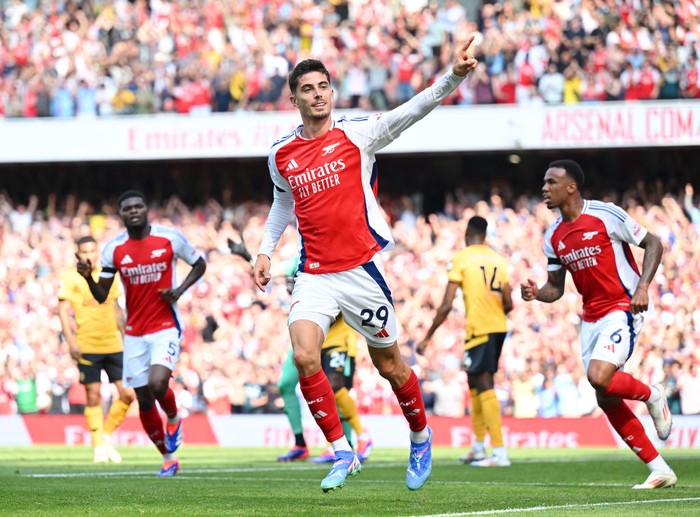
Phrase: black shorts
(91, 366)
(484, 356)
(336, 361)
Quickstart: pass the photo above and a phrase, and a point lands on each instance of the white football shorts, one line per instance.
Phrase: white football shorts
(141, 352)
(611, 338)
(360, 294)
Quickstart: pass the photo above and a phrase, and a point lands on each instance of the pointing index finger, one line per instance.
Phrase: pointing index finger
(468, 43)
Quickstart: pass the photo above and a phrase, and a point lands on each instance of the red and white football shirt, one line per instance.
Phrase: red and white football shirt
(595, 250)
(329, 183)
(146, 267)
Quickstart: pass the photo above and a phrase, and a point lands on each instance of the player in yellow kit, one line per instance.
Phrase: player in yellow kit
(482, 274)
(93, 333)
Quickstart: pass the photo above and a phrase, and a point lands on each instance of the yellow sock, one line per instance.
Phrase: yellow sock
(478, 424)
(116, 415)
(492, 416)
(349, 410)
(93, 417)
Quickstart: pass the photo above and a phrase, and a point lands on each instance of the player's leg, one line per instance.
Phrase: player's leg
(90, 376)
(137, 370)
(314, 309)
(307, 337)
(366, 304)
(117, 411)
(605, 346)
(165, 353)
(289, 379)
(478, 451)
(404, 382)
(482, 367)
(616, 335)
(631, 430)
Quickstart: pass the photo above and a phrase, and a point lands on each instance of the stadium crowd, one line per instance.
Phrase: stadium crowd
(67, 58)
(236, 338)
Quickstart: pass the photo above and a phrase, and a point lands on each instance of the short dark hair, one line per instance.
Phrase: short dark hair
(305, 67)
(477, 224)
(85, 240)
(130, 193)
(573, 170)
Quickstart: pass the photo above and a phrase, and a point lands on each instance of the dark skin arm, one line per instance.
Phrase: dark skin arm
(173, 295)
(549, 292)
(440, 316)
(653, 251)
(99, 289)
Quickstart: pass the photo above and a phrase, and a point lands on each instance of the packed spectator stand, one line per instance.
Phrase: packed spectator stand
(108, 58)
(100, 58)
(236, 338)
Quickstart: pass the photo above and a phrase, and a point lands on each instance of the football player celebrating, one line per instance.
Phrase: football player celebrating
(145, 257)
(592, 241)
(324, 173)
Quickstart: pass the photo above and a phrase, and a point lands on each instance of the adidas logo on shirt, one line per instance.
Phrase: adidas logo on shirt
(382, 333)
(127, 260)
(561, 246)
(292, 165)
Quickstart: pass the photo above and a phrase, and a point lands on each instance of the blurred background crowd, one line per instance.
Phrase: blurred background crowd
(65, 58)
(236, 338)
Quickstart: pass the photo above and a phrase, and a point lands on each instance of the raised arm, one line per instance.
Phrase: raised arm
(404, 116)
(550, 292)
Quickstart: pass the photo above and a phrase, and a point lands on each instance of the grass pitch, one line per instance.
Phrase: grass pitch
(63, 481)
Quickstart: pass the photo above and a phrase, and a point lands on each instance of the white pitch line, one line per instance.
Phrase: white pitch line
(563, 507)
(197, 474)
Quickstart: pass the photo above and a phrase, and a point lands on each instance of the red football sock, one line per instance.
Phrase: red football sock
(411, 402)
(168, 403)
(319, 395)
(153, 425)
(631, 431)
(625, 386)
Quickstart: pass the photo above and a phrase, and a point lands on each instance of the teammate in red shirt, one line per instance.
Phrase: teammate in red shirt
(145, 257)
(324, 174)
(592, 241)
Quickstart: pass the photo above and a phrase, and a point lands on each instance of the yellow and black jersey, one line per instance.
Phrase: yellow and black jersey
(96, 323)
(341, 338)
(481, 274)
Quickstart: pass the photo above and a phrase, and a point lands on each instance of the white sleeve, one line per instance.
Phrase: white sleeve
(184, 249)
(388, 126)
(281, 213)
(107, 261)
(553, 262)
(624, 227)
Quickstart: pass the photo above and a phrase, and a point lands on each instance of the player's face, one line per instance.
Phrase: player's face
(313, 96)
(557, 187)
(88, 251)
(133, 212)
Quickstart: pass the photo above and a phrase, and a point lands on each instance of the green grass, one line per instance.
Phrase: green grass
(58, 481)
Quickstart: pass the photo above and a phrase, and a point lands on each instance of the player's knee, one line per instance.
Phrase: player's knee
(599, 380)
(306, 362)
(158, 387)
